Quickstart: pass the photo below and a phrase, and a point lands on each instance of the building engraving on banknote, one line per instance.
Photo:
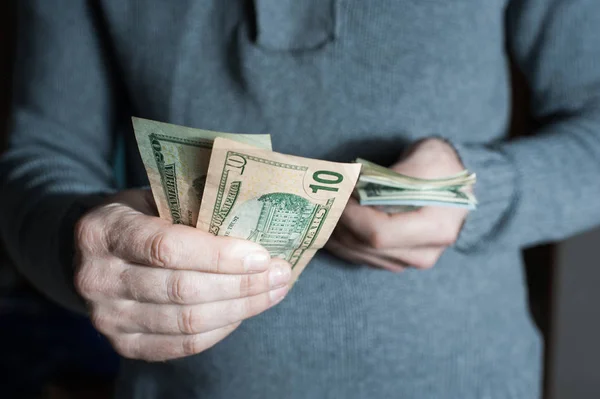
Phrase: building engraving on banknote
(285, 224)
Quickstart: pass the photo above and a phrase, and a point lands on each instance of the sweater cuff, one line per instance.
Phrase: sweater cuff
(495, 190)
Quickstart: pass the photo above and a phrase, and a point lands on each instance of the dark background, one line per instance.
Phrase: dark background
(563, 282)
(6, 26)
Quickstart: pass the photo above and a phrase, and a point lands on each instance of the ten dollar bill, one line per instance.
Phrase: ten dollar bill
(289, 205)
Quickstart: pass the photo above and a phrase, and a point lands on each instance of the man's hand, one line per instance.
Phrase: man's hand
(394, 241)
(160, 291)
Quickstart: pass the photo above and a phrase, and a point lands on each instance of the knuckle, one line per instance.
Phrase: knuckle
(178, 291)
(131, 284)
(247, 308)
(192, 345)
(254, 305)
(126, 347)
(127, 277)
(162, 249)
(245, 284)
(252, 284)
(88, 233)
(215, 259)
(187, 321)
(122, 232)
(377, 239)
(86, 284)
(102, 322)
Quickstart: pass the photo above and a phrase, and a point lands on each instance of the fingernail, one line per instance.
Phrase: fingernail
(279, 275)
(278, 294)
(256, 262)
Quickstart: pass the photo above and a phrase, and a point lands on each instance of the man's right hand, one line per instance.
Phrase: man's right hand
(160, 291)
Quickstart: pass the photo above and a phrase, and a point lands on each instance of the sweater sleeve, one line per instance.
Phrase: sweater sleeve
(59, 157)
(545, 187)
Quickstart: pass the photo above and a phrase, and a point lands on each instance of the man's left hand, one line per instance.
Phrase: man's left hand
(365, 235)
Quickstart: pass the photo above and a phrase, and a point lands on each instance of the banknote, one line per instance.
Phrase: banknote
(289, 205)
(460, 200)
(394, 192)
(374, 192)
(376, 174)
(405, 205)
(176, 159)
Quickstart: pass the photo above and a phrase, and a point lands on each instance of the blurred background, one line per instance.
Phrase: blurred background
(47, 352)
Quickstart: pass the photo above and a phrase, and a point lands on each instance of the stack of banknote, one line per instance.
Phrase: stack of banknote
(380, 186)
(235, 185)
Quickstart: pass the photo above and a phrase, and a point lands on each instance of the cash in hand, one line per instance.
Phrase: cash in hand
(395, 192)
(234, 185)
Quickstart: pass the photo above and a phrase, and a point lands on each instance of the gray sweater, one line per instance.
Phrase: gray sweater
(330, 79)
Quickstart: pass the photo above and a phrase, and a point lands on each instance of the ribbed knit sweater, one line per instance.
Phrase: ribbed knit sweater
(329, 79)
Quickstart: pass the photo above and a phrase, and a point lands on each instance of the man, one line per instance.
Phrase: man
(329, 79)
